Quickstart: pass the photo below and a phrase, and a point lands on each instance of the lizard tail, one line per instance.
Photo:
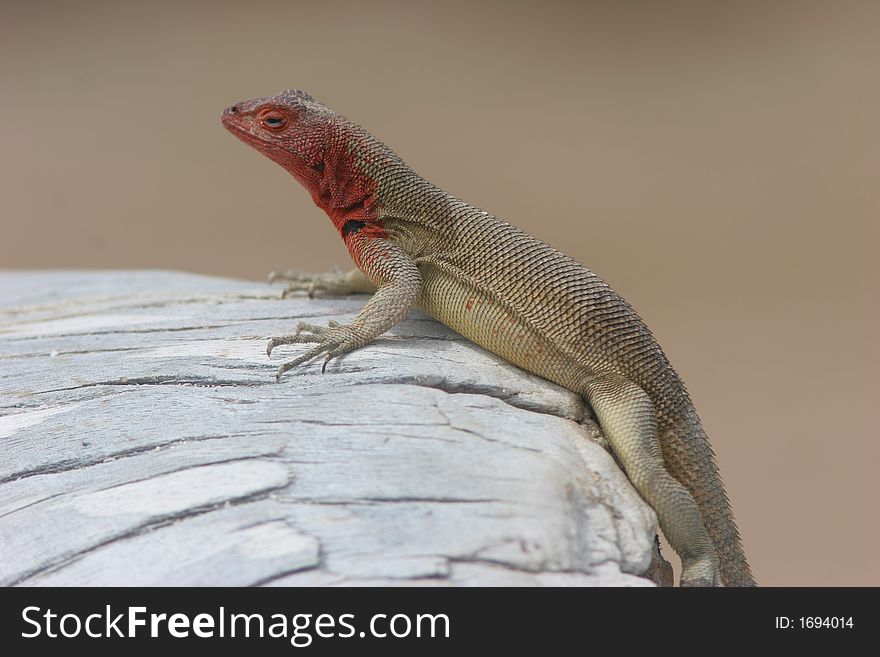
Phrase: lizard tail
(689, 458)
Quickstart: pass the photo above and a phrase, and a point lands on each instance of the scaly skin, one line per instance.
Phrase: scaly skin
(511, 294)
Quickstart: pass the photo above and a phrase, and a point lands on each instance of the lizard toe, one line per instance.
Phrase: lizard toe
(312, 353)
(296, 338)
(332, 340)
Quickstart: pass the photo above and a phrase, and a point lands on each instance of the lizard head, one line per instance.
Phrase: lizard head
(337, 161)
(291, 129)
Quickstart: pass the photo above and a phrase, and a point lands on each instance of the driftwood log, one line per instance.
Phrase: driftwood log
(145, 442)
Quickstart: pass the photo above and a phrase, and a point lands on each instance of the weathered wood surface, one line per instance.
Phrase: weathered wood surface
(145, 442)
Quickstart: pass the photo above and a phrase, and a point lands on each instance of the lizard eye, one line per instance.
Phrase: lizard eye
(273, 120)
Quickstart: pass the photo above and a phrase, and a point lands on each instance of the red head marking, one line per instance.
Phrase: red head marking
(317, 146)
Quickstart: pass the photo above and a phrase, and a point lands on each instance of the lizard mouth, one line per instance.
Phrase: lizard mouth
(241, 125)
(238, 125)
(234, 121)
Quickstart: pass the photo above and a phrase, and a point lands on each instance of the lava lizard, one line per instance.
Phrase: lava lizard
(417, 246)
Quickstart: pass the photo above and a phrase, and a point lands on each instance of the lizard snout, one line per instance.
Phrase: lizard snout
(232, 115)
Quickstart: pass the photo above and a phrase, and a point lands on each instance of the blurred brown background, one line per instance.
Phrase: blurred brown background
(716, 162)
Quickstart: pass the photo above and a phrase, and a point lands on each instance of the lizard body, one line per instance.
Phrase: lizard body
(512, 294)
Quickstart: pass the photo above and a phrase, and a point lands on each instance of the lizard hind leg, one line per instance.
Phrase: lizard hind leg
(626, 415)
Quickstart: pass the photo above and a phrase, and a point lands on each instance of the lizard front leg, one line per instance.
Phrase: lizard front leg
(398, 283)
(334, 282)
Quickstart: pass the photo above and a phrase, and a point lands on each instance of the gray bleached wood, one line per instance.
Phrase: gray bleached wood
(145, 442)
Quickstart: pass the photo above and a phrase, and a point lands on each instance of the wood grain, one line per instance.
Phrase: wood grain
(144, 441)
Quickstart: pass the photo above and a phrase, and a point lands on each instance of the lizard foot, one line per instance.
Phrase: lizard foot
(334, 340)
(335, 282)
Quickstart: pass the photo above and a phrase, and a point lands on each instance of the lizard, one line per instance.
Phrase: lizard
(416, 245)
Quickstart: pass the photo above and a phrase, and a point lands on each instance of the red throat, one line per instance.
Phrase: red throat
(348, 196)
